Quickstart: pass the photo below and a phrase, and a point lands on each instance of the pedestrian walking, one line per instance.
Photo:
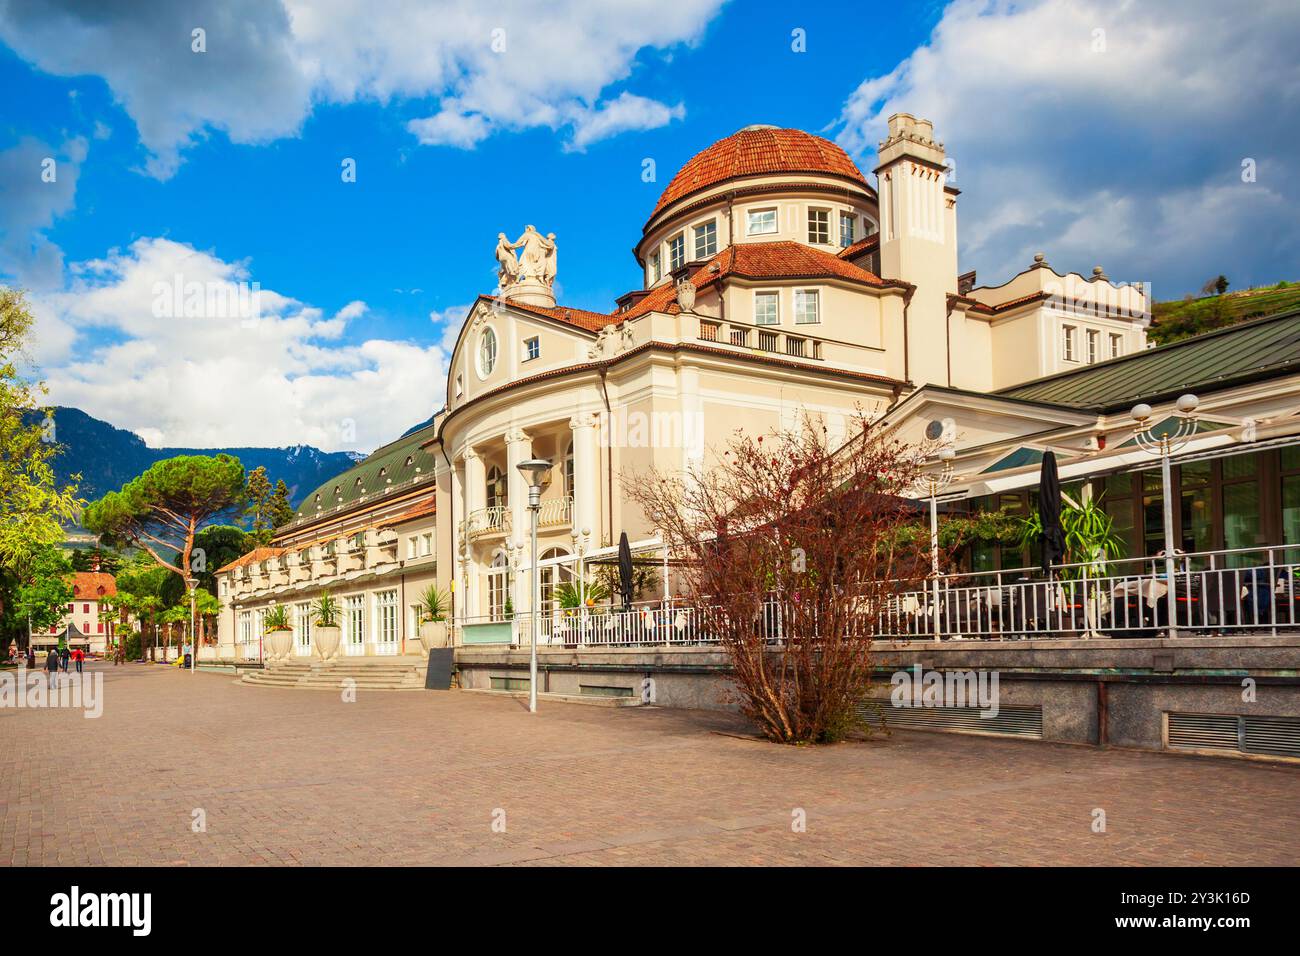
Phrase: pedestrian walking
(52, 667)
(31, 658)
(78, 655)
(64, 655)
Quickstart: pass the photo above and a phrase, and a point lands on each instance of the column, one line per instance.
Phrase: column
(519, 448)
(586, 474)
(475, 492)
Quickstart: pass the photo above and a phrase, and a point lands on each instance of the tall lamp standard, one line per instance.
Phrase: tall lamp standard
(934, 482)
(1164, 442)
(533, 469)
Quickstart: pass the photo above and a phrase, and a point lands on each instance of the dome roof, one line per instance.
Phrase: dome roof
(758, 151)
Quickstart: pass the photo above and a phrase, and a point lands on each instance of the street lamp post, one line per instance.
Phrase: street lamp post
(533, 469)
(935, 482)
(1164, 443)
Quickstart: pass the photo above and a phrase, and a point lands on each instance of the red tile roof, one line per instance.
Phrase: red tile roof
(582, 318)
(427, 507)
(93, 585)
(759, 151)
(866, 244)
(257, 554)
(755, 260)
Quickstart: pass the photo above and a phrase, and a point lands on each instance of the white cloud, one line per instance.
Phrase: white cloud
(38, 184)
(1110, 133)
(624, 113)
(166, 373)
(510, 65)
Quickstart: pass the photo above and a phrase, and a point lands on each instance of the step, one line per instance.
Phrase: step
(591, 700)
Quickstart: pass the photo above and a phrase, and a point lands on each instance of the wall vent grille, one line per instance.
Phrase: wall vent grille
(1268, 736)
(1010, 721)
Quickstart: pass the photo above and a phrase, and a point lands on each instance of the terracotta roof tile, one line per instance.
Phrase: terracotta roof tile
(427, 507)
(582, 318)
(758, 151)
(86, 585)
(257, 554)
(866, 244)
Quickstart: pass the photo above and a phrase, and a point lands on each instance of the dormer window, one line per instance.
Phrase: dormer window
(760, 222)
(706, 239)
(819, 227)
(848, 229)
(676, 252)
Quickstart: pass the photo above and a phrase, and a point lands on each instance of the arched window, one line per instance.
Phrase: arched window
(498, 586)
(551, 577)
(568, 471)
(498, 491)
(487, 352)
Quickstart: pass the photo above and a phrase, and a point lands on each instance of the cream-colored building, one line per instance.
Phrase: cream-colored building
(777, 280)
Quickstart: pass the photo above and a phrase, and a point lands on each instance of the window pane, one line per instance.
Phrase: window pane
(1241, 515)
(805, 307)
(1118, 485)
(1291, 458)
(848, 222)
(1197, 523)
(762, 222)
(706, 240)
(765, 308)
(1196, 473)
(1239, 466)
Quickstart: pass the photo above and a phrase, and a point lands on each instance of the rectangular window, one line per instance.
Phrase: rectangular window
(761, 222)
(766, 309)
(85, 609)
(676, 252)
(302, 625)
(354, 620)
(413, 546)
(1116, 345)
(532, 348)
(655, 273)
(848, 228)
(819, 226)
(1067, 343)
(386, 614)
(706, 239)
(426, 544)
(1094, 346)
(806, 307)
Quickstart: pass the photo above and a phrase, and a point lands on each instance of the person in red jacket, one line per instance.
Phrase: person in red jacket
(78, 655)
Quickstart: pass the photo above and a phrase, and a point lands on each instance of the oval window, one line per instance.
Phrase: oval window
(487, 352)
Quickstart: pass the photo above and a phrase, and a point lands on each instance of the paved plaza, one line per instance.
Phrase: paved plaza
(302, 777)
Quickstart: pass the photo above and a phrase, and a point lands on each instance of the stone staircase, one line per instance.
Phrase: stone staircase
(383, 673)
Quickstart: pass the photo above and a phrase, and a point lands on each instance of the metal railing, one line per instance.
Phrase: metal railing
(495, 519)
(556, 511)
(1237, 591)
(1242, 590)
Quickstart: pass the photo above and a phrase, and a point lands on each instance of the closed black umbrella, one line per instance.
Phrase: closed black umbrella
(625, 569)
(1049, 513)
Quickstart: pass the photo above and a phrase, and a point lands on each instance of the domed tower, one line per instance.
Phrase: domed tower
(761, 184)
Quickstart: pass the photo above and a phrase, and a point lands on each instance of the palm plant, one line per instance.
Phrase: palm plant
(277, 618)
(1091, 543)
(433, 604)
(570, 595)
(325, 609)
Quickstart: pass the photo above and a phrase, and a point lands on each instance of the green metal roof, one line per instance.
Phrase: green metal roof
(1017, 459)
(391, 467)
(1261, 349)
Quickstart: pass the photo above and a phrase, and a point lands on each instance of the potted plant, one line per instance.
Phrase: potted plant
(279, 632)
(433, 618)
(325, 626)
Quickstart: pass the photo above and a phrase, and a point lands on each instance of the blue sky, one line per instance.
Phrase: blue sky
(1122, 148)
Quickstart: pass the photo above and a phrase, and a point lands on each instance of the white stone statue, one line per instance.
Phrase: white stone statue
(529, 278)
(532, 262)
(509, 265)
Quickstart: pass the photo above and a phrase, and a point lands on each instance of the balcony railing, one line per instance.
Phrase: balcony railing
(1216, 593)
(493, 520)
(556, 511)
(761, 339)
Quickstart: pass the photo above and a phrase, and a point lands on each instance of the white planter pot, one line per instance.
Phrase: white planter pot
(279, 644)
(326, 641)
(433, 634)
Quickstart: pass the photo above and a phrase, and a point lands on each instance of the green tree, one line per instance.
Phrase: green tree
(217, 546)
(44, 591)
(33, 508)
(167, 507)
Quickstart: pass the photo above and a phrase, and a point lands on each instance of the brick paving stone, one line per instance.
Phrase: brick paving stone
(291, 777)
